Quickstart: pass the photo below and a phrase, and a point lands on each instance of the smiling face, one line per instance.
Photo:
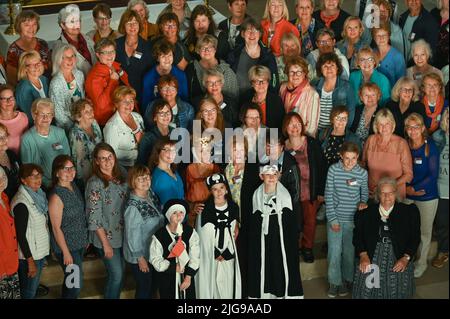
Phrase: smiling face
(165, 60)
(251, 35)
(294, 128)
(269, 179)
(290, 48)
(43, 116)
(167, 154)
(7, 101)
(67, 173)
(142, 183)
(296, 75)
(329, 69)
(107, 55)
(340, 121)
(87, 115)
(366, 62)
(432, 88)
(325, 44)
(126, 105)
(34, 181)
(102, 21)
(168, 92)
(163, 117)
(369, 97)
(260, 85)
(353, 30)
(132, 27)
(304, 10)
(105, 161)
(414, 5)
(69, 60)
(34, 67)
(420, 57)
(170, 30)
(331, 4)
(387, 194)
(213, 85)
(414, 130)
(207, 52)
(252, 119)
(381, 37)
(201, 24)
(276, 9)
(28, 28)
(385, 127)
(406, 93)
(209, 114)
(72, 25)
(349, 160)
(219, 191)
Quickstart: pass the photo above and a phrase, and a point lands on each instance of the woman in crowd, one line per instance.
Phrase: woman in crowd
(182, 111)
(396, 33)
(289, 47)
(43, 142)
(196, 174)
(386, 154)
(30, 210)
(275, 23)
(102, 17)
(253, 128)
(441, 138)
(9, 259)
(142, 220)
(299, 96)
(271, 105)
(106, 194)
(83, 137)
(69, 20)
(10, 117)
(103, 79)
(219, 276)
(250, 53)
(421, 54)
(183, 13)
(352, 40)
(67, 84)
(26, 24)
(32, 82)
(68, 222)
(334, 137)
(404, 101)
(169, 27)
(273, 247)
(392, 62)
(332, 16)
(312, 165)
(440, 13)
(346, 192)
(133, 52)
(124, 130)
(333, 90)
(161, 118)
(362, 126)
(166, 182)
(175, 253)
(206, 47)
(9, 162)
(433, 99)
(367, 61)
(422, 190)
(386, 234)
(163, 54)
(148, 29)
(202, 23)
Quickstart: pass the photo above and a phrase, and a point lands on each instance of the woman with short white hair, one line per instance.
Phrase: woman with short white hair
(421, 54)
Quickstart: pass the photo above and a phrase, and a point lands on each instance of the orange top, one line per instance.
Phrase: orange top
(100, 87)
(281, 27)
(149, 30)
(9, 255)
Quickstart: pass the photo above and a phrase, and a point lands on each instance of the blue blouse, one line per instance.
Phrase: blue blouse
(393, 66)
(166, 187)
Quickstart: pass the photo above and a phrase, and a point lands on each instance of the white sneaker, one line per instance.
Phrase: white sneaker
(418, 272)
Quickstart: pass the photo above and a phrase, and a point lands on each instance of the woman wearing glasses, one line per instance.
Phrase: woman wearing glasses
(104, 77)
(434, 100)
(125, 129)
(68, 221)
(183, 13)
(299, 96)
(102, 18)
(106, 194)
(32, 82)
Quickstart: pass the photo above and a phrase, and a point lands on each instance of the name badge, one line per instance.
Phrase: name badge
(236, 179)
(438, 118)
(57, 146)
(418, 161)
(223, 106)
(120, 72)
(293, 153)
(137, 55)
(386, 228)
(412, 35)
(352, 182)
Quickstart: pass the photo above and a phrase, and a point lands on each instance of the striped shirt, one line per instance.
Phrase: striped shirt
(344, 190)
(326, 104)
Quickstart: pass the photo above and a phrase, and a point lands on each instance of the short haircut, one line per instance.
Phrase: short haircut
(371, 87)
(127, 16)
(387, 181)
(384, 113)
(71, 9)
(101, 8)
(247, 107)
(22, 69)
(322, 3)
(162, 46)
(325, 58)
(167, 79)
(42, 102)
(103, 43)
(230, 2)
(135, 172)
(369, 51)
(212, 72)
(24, 16)
(158, 105)
(120, 92)
(205, 40)
(349, 147)
(421, 43)
(325, 31)
(250, 23)
(301, 62)
(167, 17)
(336, 110)
(259, 71)
(395, 93)
(27, 169)
(78, 107)
(59, 57)
(382, 27)
(289, 36)
(5, 87)
(133, 3)
(287, 119)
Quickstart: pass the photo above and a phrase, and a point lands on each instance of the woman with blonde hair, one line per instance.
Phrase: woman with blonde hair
(422, 190)
(434, 100)
(275, 23)
(352, 40)
(386, 154)
(404, 101)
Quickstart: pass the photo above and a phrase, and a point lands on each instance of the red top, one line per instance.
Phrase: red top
(9, 255)
(281, 27)
(14, 52)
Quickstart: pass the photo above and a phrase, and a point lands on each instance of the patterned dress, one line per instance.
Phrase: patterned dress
(14, 52)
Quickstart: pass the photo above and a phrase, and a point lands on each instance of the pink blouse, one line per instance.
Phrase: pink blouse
(16, 127)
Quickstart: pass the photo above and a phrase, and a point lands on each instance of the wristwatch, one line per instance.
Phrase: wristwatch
(408, 257)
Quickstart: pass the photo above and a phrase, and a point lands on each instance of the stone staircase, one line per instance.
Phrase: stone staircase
(94, 272)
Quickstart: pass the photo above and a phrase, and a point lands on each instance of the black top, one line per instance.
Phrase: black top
(21, 221)
(333, 148)
(12, 174)
(414, 107)
(222, 51)
(442, 55)
(337, 25)
(180, 52)
(404, 228)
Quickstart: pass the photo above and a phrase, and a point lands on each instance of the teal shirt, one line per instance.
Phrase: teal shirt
(356, 81)
(42, 150)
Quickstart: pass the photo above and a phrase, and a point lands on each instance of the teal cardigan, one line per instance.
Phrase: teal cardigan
(356, 81)
(26, 94)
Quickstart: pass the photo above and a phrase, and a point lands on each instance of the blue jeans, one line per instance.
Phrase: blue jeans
(341, 254)
(29, 286)
(143, 282)
(69, 292)
(115, 271)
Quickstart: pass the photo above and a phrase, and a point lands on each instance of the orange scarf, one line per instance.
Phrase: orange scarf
(328, 19)
(433, 115)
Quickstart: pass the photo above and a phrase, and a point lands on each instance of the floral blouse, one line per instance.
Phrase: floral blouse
(235, 182)
(14, 52)
(104, 208)
(82, 146)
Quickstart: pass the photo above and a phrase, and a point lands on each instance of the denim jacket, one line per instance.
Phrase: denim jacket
(184, 117)
(439, 139)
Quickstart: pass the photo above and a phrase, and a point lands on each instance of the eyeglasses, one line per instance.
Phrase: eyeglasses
(370, 59)
(111, 52)
(329, 66)
(44, 115)
(103, 159)
(341, 118)
(210, 111)
(407, 90)
(293, 125)
(103, 18)
(168, 89)
(414, 127)
(127, 102)
(259, 82)
(34, 65)
(211, 84)
(207, 49)
(324, 42)
(132, 23)
(296, 73)
(143, 178)
(8, 99)
(252, 30)
(69, 169)
(432, 86)
(164, 114)
(387, 193)
(382, 36)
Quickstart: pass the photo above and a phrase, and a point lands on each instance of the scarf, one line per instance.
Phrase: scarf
(81, 46)
(328, 19)
(39, 199)
(434, 115)
(385, 213)
(290, 97)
